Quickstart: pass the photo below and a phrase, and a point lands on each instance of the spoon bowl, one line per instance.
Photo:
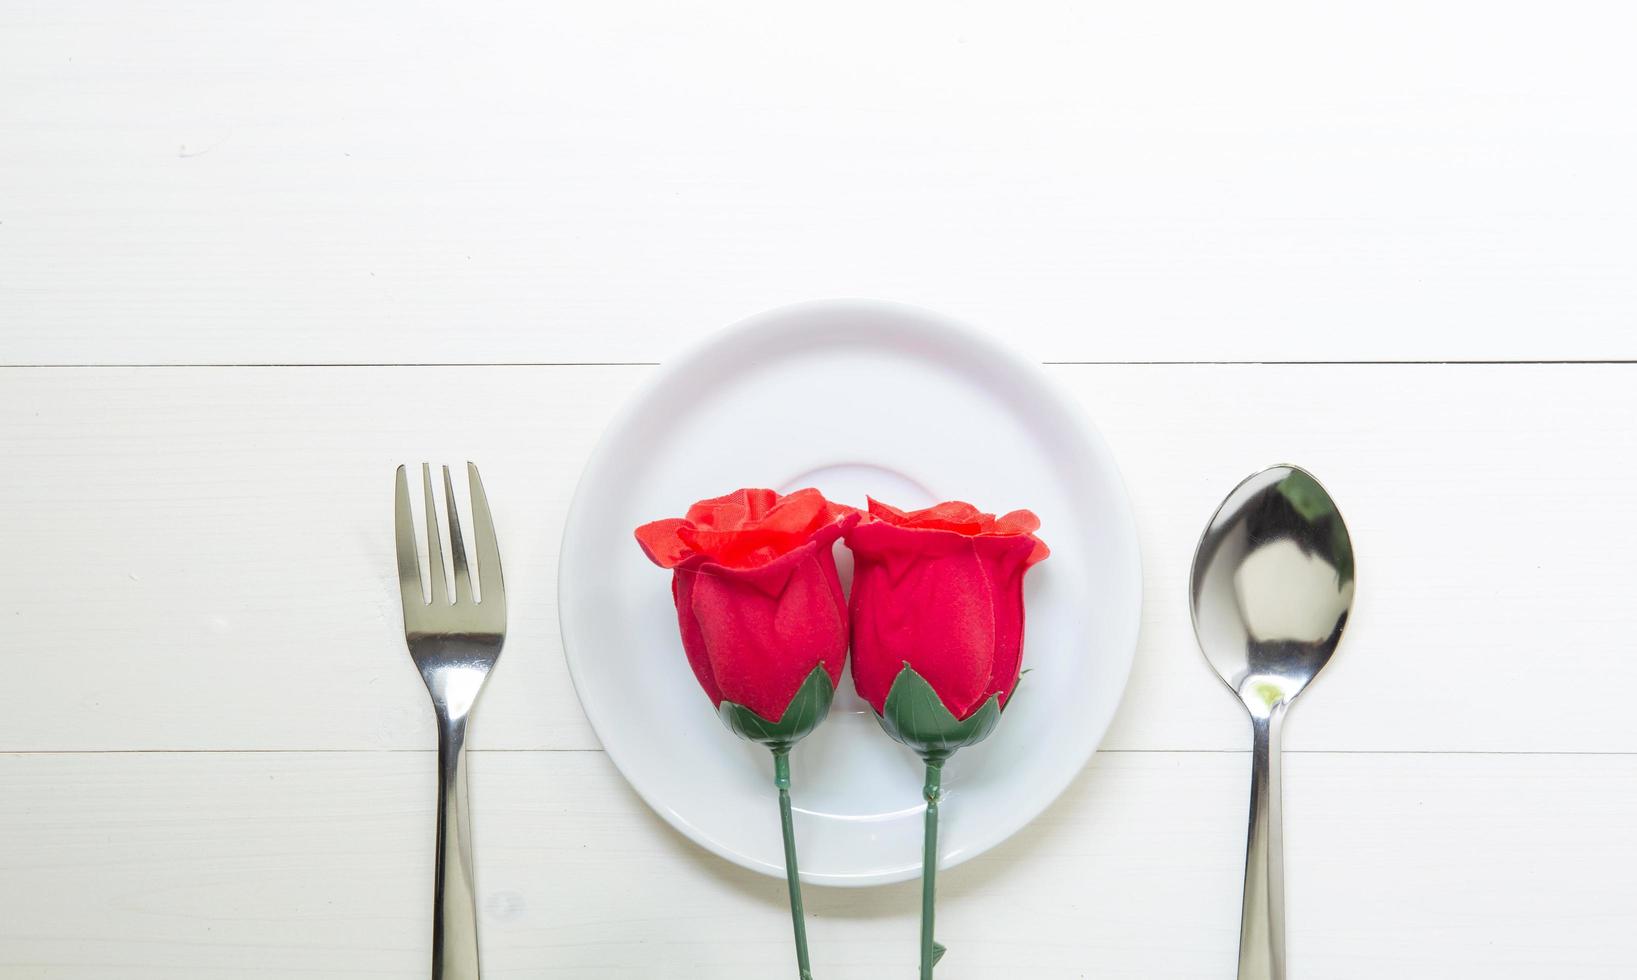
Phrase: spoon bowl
(1272, 586)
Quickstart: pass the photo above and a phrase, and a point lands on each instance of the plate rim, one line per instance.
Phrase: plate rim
(931, 322)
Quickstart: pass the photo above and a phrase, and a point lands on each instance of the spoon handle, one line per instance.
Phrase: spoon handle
(1262, 920)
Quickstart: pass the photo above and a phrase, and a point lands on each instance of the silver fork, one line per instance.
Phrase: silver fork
(455, 643)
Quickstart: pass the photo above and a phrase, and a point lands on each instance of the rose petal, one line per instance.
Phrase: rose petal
(733, 510)
(921, 596)
(1005, 559)
(962, 518)
(885, 512)
(662, 545)
(798, 513)
(764, 629)
(742, 529)
(693, 638)
(1018, 522)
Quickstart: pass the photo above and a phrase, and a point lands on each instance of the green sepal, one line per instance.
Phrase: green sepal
(915, 716)
(805, 711)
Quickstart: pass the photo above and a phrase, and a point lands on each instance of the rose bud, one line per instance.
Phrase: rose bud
(764, 624)
(937, 613)
(758, 601)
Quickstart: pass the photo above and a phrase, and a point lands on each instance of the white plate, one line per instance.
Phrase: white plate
(853, 398)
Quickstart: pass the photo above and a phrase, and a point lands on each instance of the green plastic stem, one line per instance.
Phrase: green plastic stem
(929, 865)
(798, 918)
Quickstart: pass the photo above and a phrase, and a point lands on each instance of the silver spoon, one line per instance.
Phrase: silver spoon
(1272, 586)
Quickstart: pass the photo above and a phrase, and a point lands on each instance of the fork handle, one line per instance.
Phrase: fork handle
(1262, 919)
(454, 894)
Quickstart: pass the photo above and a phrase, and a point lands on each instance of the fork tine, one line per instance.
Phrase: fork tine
(409, 566)
(483, 537)
(434, 548)
(457, 548)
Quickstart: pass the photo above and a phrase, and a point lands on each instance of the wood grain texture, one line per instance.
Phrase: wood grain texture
(214, 753)
(504, 181)
(208, 553)
(307, 865)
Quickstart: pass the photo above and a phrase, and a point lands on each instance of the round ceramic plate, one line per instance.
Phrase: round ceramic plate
(854, 398)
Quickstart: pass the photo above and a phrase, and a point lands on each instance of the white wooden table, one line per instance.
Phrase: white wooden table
(253, 255)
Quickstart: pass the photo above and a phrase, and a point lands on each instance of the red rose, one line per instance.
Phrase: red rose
(940, 590)
(757, 597)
